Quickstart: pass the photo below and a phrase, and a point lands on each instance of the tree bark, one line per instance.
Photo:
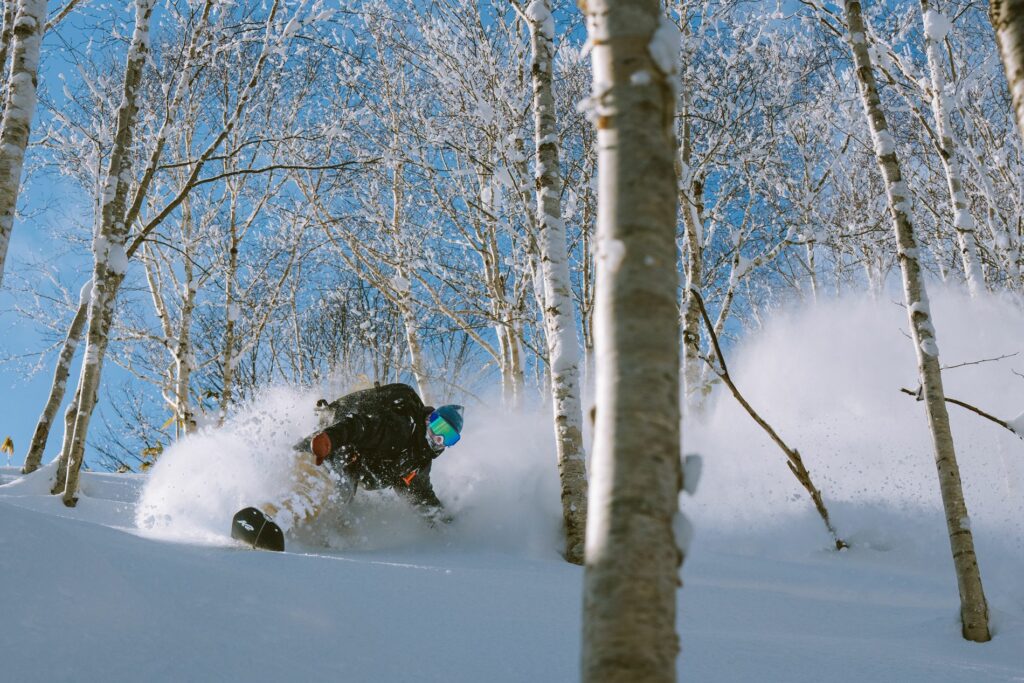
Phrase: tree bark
(973, 607)
(185, 422)
(19, 108)
(60, 478)
(7, 36)
(59, 385)
(559, 314)
(229, 351)
(633, 552)
(1008, 21)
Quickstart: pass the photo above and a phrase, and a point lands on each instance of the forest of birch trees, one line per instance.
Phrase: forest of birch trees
(290, 192)
(225, 195)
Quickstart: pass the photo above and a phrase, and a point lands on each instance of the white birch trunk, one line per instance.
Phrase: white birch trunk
(109, 248)
(229, 352)
(693, 375)
(691, 191)
(963, 222)
(412, 340)
(1008, 243)
(1008, 21)
(19, 108)
(633, 555)
(403, 293)
(185, 420)
(973, 607)
(6, 37)
(65, 447)
(559, 315)
(812, 269)
(516, 370)
(59, 384)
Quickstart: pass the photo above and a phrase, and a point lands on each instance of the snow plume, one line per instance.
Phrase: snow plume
(202, 480)
(500, 484)
(827, 378)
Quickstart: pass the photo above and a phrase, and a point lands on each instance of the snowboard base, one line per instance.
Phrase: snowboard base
(252, 527)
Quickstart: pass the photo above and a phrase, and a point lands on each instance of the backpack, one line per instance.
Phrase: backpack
(397, 398)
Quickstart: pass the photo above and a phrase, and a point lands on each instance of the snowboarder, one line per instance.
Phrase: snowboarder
(378, 438)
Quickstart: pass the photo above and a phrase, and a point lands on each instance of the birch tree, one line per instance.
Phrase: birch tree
(19, 108)
(973, 606)
(111, 247)
(110, 262)
(559, 315)
(632, 553)
(1007, 18)
(936, 26)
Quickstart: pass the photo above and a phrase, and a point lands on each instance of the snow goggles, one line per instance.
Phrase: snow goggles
(439, 426)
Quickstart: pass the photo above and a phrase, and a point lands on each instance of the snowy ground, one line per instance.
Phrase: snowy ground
(141, 583)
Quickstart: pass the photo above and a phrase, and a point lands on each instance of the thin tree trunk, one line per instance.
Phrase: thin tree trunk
(109, 247)
(963, 222)
(812, 269)
(559, 315)
(515, 350)
(229, 352)
(184, 418)
(973, 607)
(693, 375)
(59, 384)
(6, 36)
(504, 365)
(403, 291)
(65, 447)
(19, 108)
(633, 553)
(1007, 240)
(691, 191)
(1008, 21)
(412, 340)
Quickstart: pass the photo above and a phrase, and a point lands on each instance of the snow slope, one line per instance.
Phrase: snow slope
(140, 581)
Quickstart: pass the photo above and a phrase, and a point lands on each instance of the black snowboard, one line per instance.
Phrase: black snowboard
(254, 528)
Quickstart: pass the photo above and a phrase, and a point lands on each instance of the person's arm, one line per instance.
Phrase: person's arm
(419, 492)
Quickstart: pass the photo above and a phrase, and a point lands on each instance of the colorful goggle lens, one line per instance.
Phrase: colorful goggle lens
(438, 425)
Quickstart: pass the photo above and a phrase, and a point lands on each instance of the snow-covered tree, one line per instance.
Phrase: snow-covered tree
(973, 606)
(108, 251)
(19, 108)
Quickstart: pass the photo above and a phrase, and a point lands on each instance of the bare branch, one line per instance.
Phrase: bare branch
(979, 362)
(973, 409)
(794, 461)
(60, 16)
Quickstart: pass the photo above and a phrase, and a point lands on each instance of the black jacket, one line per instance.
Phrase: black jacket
(379, 440)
